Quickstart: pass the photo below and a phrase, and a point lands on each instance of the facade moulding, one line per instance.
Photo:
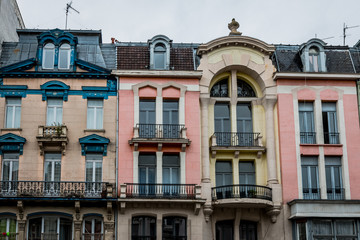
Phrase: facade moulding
(159, 74)
(316, 76)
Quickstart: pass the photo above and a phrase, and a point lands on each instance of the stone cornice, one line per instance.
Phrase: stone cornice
(242, 41)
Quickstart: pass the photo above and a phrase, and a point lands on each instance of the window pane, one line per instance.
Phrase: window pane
(322, 227)
(174, 227)
(147, 111)
(64, 56)
(89, 171)
(345, 227)
(90, 118)
(220, 89)
(159, 60)
(9, 116)
(99, 118)
(48, 56)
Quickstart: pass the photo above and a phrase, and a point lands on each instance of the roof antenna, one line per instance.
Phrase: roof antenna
(344, 31)
(68, 6)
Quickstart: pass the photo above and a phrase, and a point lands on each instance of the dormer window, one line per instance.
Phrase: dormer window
(48, 56)
(314, 59)
(64, 56)
(159, 56)
(159, 52)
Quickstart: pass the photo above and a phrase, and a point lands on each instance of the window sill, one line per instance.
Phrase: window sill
(11, 129)
(321, 145)
(94, 130)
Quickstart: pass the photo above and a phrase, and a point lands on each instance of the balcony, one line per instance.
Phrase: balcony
(241, 191)
(159, 134)
(308, 137)
(56, 189)
(235, 141)
(172, 191)
(311, 193)
(335, 194)
(331, 138)
(52, 138)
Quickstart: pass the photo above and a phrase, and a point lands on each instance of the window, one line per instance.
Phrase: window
(13, 112)
(301, 230)
(52, 171)
(171, 174)
(334, 229)
(171, 128)
(314, 59)
(143, 227)
(310, 180)
(306, 121)
(220, 89)
(48, 56)
(50, 227)
(245, 136)
(224, 179)
(10, 172)
(147, 174)
(147, 127)
(333, 178)
(95, 113)
(248, 230)
(64, 56)
(247, 179)
(8, 226)
(331, 135)
(174, 228)
(225, 230)
(93, 174)
(159, 56)
(92, 229)
(244, 89)
(222, 124)
(54, 112)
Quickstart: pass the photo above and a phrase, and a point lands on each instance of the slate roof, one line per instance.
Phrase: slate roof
(339, 59)
(136, 56)
(355, 55)
(89, 48)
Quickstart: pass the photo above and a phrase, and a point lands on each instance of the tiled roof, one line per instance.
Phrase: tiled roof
(287, 59)
(137, 57)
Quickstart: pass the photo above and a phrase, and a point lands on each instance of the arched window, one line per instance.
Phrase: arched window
(244, 89)
(220, 89)
(143, 227)
(314, 59)
(159, 56)
(48, 56)
(174, 228)
(64, 56)
(93, 229)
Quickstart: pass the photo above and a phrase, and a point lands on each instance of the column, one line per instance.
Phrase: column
(77, 230)
(21, 229)
(182, 167)
(159, 156)
(270, 139)
(109, 228)
(205, 160)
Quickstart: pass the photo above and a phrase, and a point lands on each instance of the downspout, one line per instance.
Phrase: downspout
(116, 153)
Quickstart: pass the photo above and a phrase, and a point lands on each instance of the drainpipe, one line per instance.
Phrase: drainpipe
(116, 152)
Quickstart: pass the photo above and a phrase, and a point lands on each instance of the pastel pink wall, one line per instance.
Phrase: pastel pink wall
(289, 176)
(352, 141)
(126, 124)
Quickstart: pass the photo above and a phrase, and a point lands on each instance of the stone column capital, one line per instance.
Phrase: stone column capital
(269, 101)
(204, 99)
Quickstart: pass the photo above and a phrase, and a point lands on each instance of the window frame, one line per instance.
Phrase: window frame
(307, 164)
(98, 114)
(64, 48)
(174, 235)
(159, 53)
(141, 234)
(93, 223)
(55, 108)
(15, 119)
(330, 129)
(307, 133)
(48, 48)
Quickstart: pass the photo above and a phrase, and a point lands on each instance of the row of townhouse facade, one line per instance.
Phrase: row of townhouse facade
(231, 139)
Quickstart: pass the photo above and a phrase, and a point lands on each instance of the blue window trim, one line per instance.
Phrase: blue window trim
(55, 89)
(94, 144)
(13, 90)
(95, 92)
(7, 214)
(88, 215)
(11, 143)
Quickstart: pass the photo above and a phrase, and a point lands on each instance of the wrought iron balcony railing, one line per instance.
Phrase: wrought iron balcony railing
(55, 189)
(179, 191)
(242, 191)
(166, 131)
(308, 137)
(311, 193)
(92, 236)
(335, 193)
(237, 139)
(331, 138)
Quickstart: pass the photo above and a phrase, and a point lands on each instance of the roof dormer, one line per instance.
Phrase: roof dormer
(313, 56)
(159, 52)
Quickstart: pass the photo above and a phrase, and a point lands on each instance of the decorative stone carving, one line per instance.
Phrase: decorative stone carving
(109, 210)
(77, 210)
(20, 207)
(207, 211)
(273, 212)
(233, 26)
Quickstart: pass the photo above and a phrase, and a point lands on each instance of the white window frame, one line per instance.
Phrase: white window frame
(93, 219)
(93, 162)
(64, 48)
(52, 104)
(15, 120)
(48, 55)
(97, 110)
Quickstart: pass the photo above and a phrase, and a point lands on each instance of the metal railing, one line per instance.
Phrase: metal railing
(53, 189)
(92, 236)
(308, 137)
(335, 193)
(331, 138)
(242, 191)
(138, 190)
(239, 139)
(168, 131)
(311, 193)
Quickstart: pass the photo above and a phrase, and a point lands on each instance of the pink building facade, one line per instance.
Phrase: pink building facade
(318, 141)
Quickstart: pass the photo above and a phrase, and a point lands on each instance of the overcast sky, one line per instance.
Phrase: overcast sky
(200, 21)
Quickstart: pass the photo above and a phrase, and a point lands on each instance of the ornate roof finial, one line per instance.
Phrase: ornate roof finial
(233, 26)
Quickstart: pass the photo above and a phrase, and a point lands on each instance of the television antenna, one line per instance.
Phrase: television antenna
(344, 31)
(68, 6)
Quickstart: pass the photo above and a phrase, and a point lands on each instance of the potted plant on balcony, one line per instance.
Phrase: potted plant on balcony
(251, 193)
